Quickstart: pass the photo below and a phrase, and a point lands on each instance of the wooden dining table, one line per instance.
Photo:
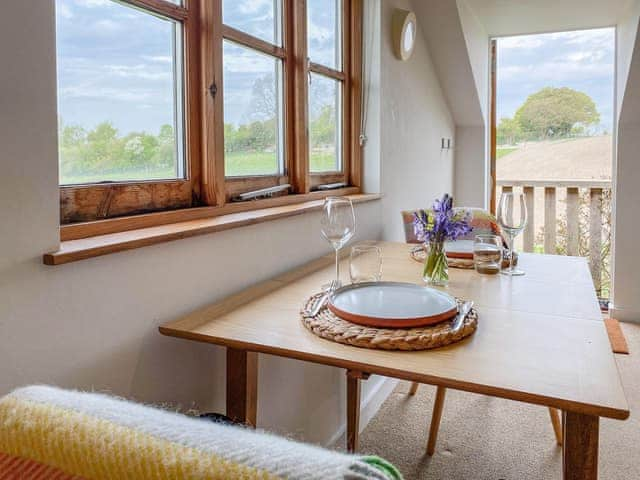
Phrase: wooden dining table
(541, 339)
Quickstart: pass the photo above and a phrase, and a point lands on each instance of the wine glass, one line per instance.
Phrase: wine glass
(338, 224)
(512, 221)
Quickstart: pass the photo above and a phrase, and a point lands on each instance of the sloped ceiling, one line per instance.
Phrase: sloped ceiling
(516, 17)
(442, 28)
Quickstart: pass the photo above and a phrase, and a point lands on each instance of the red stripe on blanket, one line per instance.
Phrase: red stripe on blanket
(18, 468)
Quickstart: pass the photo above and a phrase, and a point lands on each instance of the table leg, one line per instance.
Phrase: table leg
(436, 416)
(580, 446)
(556, 422)
(353, 408)
(242, 386)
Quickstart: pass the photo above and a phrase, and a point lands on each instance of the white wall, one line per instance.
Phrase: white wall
(459, 47)
(415, 170)
(93, 324)
(371, 53)
(471, 169)
(626, 268)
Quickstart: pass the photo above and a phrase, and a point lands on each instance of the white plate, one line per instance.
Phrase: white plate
(392, 304)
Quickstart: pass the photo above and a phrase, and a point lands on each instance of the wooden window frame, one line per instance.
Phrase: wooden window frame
(91, 202)
(493, 54)
(101, 209)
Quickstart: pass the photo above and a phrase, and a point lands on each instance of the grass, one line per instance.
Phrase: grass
(263, 163)
(159, 173)
(503, 151)
(236, 164)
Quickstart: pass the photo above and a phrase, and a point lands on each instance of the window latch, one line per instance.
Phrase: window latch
(213, 89)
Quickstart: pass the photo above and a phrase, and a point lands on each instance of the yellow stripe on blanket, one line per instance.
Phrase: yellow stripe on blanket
(98, 449)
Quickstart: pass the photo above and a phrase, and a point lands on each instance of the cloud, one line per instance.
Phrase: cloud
(582, 60)
(158, 58)
(526, 41)
(93, 3)
(97, 92)
(254, 6)
(63, 10)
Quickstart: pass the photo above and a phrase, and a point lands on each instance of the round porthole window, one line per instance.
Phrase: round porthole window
(404, 33)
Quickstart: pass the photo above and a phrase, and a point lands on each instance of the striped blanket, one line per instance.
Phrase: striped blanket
(49, 433)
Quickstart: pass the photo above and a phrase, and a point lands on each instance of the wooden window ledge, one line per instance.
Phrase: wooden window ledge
(80, 249)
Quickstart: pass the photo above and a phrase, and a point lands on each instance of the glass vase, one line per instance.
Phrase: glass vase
(436, 269)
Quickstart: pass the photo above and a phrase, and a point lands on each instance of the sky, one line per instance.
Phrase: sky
(582, 60)
(117, 64)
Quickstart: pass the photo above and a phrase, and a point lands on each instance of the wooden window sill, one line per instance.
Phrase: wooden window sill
(83, 248)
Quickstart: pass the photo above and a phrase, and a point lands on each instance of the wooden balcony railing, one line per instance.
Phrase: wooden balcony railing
(584, 224)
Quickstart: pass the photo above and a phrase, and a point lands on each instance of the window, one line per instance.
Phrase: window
(324, 30)
(125, 145)
(174, 104)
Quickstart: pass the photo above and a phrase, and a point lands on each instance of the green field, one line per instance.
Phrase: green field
(502, 151)
(261, 163)
(237, 164)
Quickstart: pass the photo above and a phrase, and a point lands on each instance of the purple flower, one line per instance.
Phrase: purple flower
(441, 222)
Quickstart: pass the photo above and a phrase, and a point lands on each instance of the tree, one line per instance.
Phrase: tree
(508, 132)
(322, 129)
(555, 113)
(263, 104)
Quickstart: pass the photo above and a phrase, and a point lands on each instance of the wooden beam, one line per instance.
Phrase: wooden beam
(211, 89)
(530, 229)
(355, 74)
(556, 423)
(353, 408)
(83, 248)
(595, 237)
(326, 71)
(414, 388)
(297, 25)
(573, 221)
(436, 416)
(580, 446)
(492, 153)
(161, 7)
(242, 386)
(249, 41)
(550, 220)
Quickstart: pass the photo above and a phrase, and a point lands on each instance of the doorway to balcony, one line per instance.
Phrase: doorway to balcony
(551, 138)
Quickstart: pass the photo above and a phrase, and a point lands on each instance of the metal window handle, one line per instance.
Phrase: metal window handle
(213, 89)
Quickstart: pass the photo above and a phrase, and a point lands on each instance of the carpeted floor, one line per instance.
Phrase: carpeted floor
(483, 438)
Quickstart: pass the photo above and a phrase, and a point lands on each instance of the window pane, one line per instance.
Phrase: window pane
(324, 31)
(325, 124)
(253, 133)
(119, 94)
(260, 18)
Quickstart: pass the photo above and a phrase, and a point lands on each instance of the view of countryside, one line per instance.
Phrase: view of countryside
(555, 120)
(121, 98)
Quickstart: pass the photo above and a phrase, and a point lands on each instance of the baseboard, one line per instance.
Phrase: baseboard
(369, 405)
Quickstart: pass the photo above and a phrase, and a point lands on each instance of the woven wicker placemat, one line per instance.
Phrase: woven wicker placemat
(327, 325)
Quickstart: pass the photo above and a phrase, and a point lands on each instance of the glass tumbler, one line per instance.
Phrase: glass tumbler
(365, 263)
(487, 254)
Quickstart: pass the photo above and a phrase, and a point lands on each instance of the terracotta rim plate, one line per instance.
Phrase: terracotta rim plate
(392, 304)
(459, 249)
